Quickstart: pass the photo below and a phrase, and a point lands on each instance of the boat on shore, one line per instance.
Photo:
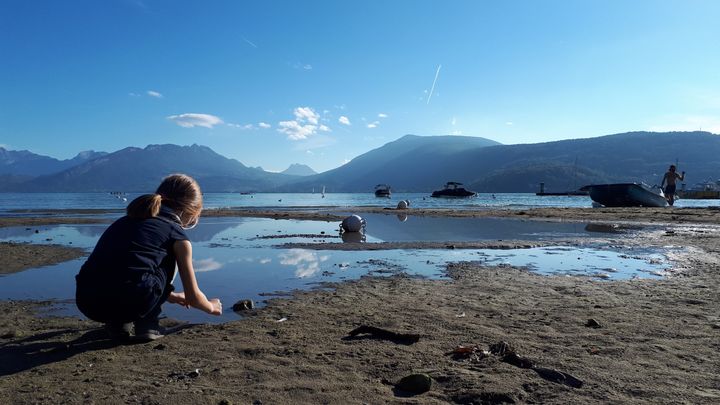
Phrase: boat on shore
(382, 190)
(453, 189)
(626, 195)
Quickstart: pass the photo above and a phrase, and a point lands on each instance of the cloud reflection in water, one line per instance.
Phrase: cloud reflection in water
(307, 262)
(209, 264)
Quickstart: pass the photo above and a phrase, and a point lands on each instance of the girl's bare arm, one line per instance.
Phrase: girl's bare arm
(193, 296)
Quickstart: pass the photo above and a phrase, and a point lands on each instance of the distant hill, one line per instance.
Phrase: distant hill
(423, 164)
(563, 165)
(25, 163)
(297, 169)
(140, 170)
(408, 164)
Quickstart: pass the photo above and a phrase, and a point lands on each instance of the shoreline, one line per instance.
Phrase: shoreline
(656, 341)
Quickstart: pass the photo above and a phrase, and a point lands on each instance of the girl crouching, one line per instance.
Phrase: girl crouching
(129, 274)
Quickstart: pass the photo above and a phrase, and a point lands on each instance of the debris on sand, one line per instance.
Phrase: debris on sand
(383, 334)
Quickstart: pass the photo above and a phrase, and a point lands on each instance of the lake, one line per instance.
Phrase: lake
(236, 259)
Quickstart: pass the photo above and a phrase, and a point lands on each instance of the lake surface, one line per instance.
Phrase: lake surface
(235, 258)
(11, 201)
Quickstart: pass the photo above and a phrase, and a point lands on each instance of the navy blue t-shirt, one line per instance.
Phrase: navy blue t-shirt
(131, 248)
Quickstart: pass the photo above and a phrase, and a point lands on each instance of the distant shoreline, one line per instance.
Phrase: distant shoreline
(669, 215)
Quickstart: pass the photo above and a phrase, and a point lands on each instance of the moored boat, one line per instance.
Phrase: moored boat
(626, 195)
(382, 190)
(452, 189)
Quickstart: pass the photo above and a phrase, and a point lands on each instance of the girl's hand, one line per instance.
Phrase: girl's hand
(216, 307)
(178, 298)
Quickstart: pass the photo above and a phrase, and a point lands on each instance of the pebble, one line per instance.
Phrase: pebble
(592, 323)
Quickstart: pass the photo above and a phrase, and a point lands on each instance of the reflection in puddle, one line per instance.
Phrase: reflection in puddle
(306, 262)
(203, 265)
(233, 263)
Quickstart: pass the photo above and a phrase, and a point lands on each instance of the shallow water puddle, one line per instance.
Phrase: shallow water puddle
(236, 258)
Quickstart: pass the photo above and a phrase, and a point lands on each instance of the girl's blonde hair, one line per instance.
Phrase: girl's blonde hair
(179, 192)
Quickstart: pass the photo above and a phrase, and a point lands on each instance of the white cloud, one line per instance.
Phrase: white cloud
(264, 125)
(153, 93)
(305, 124)
(241, 126)
(454, 121)
(190, 120)
(131, 94)
(296, 131)
(509, 123)
(373, 124)
(306, 114)
(344, 120)
(382, 115)
(302, 66)
(208, 264)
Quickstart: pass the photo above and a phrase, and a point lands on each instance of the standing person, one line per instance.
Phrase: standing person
(670, 178)
(129, 274)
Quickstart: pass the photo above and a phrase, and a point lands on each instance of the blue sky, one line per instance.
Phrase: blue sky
(272, 83)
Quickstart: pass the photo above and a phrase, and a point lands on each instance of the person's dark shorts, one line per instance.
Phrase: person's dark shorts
(125, 302)
(669, 190)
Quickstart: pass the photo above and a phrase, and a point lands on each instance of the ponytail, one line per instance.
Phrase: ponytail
(145, 206)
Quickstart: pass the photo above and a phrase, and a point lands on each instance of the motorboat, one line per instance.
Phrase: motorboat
(626, 195)
(453, 189)
(382, 190)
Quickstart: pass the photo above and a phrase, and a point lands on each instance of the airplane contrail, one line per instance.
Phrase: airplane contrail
(248, 41)
(437, 73)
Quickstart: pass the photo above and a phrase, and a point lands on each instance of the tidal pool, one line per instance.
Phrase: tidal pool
(238, 258)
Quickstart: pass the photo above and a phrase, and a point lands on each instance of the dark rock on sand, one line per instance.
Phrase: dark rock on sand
(243, 305)
(415, 383)
(592, 323)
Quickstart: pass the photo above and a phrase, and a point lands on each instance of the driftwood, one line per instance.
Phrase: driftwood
(383, 334)
(508, 355)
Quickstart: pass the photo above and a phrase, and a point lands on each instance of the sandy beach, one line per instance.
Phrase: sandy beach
(483, 335)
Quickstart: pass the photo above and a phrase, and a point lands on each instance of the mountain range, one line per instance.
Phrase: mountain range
(411, 164)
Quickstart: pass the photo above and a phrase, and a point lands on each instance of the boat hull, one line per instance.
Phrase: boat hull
(453, 193)
(625, 195)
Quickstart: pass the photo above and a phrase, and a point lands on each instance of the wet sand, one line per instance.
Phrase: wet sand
(21, 256)
(654, 341)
